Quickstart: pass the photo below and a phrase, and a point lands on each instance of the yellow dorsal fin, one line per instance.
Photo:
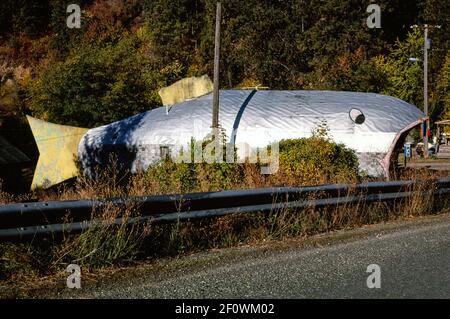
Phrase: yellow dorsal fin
(185, 89)
(58, 146)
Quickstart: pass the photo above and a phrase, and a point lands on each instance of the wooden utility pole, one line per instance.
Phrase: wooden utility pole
(425, 89)
(215, 119)
(426, 47)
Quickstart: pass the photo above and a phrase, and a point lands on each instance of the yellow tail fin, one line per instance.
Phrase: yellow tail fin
(58, 145)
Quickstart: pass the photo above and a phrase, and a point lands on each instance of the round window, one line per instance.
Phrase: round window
(357, 116)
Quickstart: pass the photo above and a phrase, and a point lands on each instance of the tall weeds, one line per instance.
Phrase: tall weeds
(115, 238)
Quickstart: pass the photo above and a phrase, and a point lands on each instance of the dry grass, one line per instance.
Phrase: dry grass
(107, 243)
(282, 223)
(5, 198)
(108, 240)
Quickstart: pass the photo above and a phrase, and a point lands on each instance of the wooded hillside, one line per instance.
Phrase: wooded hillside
(125, 51)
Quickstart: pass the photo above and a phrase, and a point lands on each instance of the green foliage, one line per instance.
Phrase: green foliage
(303, 161)
(316, 158)
(95, 85)
(280, 44)
(22, 16)
(352, 72)
(170, 177)
(285, 44)
(64, 38)
(443, 91)
(404, 77)
(184, 174)
(174, 27)
(435, 12)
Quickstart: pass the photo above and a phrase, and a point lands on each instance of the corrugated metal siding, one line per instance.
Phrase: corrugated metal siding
(10, 155)
(266, 117)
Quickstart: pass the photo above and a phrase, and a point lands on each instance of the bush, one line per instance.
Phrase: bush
(316, 160)
(171, 177)
(305, 161)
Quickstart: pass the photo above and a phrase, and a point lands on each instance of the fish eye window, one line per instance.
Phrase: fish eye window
(357, 116)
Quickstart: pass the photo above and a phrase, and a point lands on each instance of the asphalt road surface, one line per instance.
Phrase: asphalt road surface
(413, 258)
(433, 165)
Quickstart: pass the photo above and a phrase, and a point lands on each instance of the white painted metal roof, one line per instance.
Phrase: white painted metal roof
(259, 117)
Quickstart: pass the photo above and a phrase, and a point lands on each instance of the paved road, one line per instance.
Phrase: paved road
(414, 258)
(434, 165)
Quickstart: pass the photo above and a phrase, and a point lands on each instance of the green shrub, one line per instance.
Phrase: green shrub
(315, 160)
(170, 176)
(95, 85)
(305, 161)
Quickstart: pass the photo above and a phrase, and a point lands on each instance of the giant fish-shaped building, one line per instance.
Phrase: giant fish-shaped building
(374, 125)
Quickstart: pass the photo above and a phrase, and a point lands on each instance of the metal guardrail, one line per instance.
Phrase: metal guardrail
(24, 221)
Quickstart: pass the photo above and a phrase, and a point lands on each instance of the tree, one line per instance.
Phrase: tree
(435, 13)
(441, 107)
(96, 85)
(174, 28)
(404, 77)
(284, 44)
